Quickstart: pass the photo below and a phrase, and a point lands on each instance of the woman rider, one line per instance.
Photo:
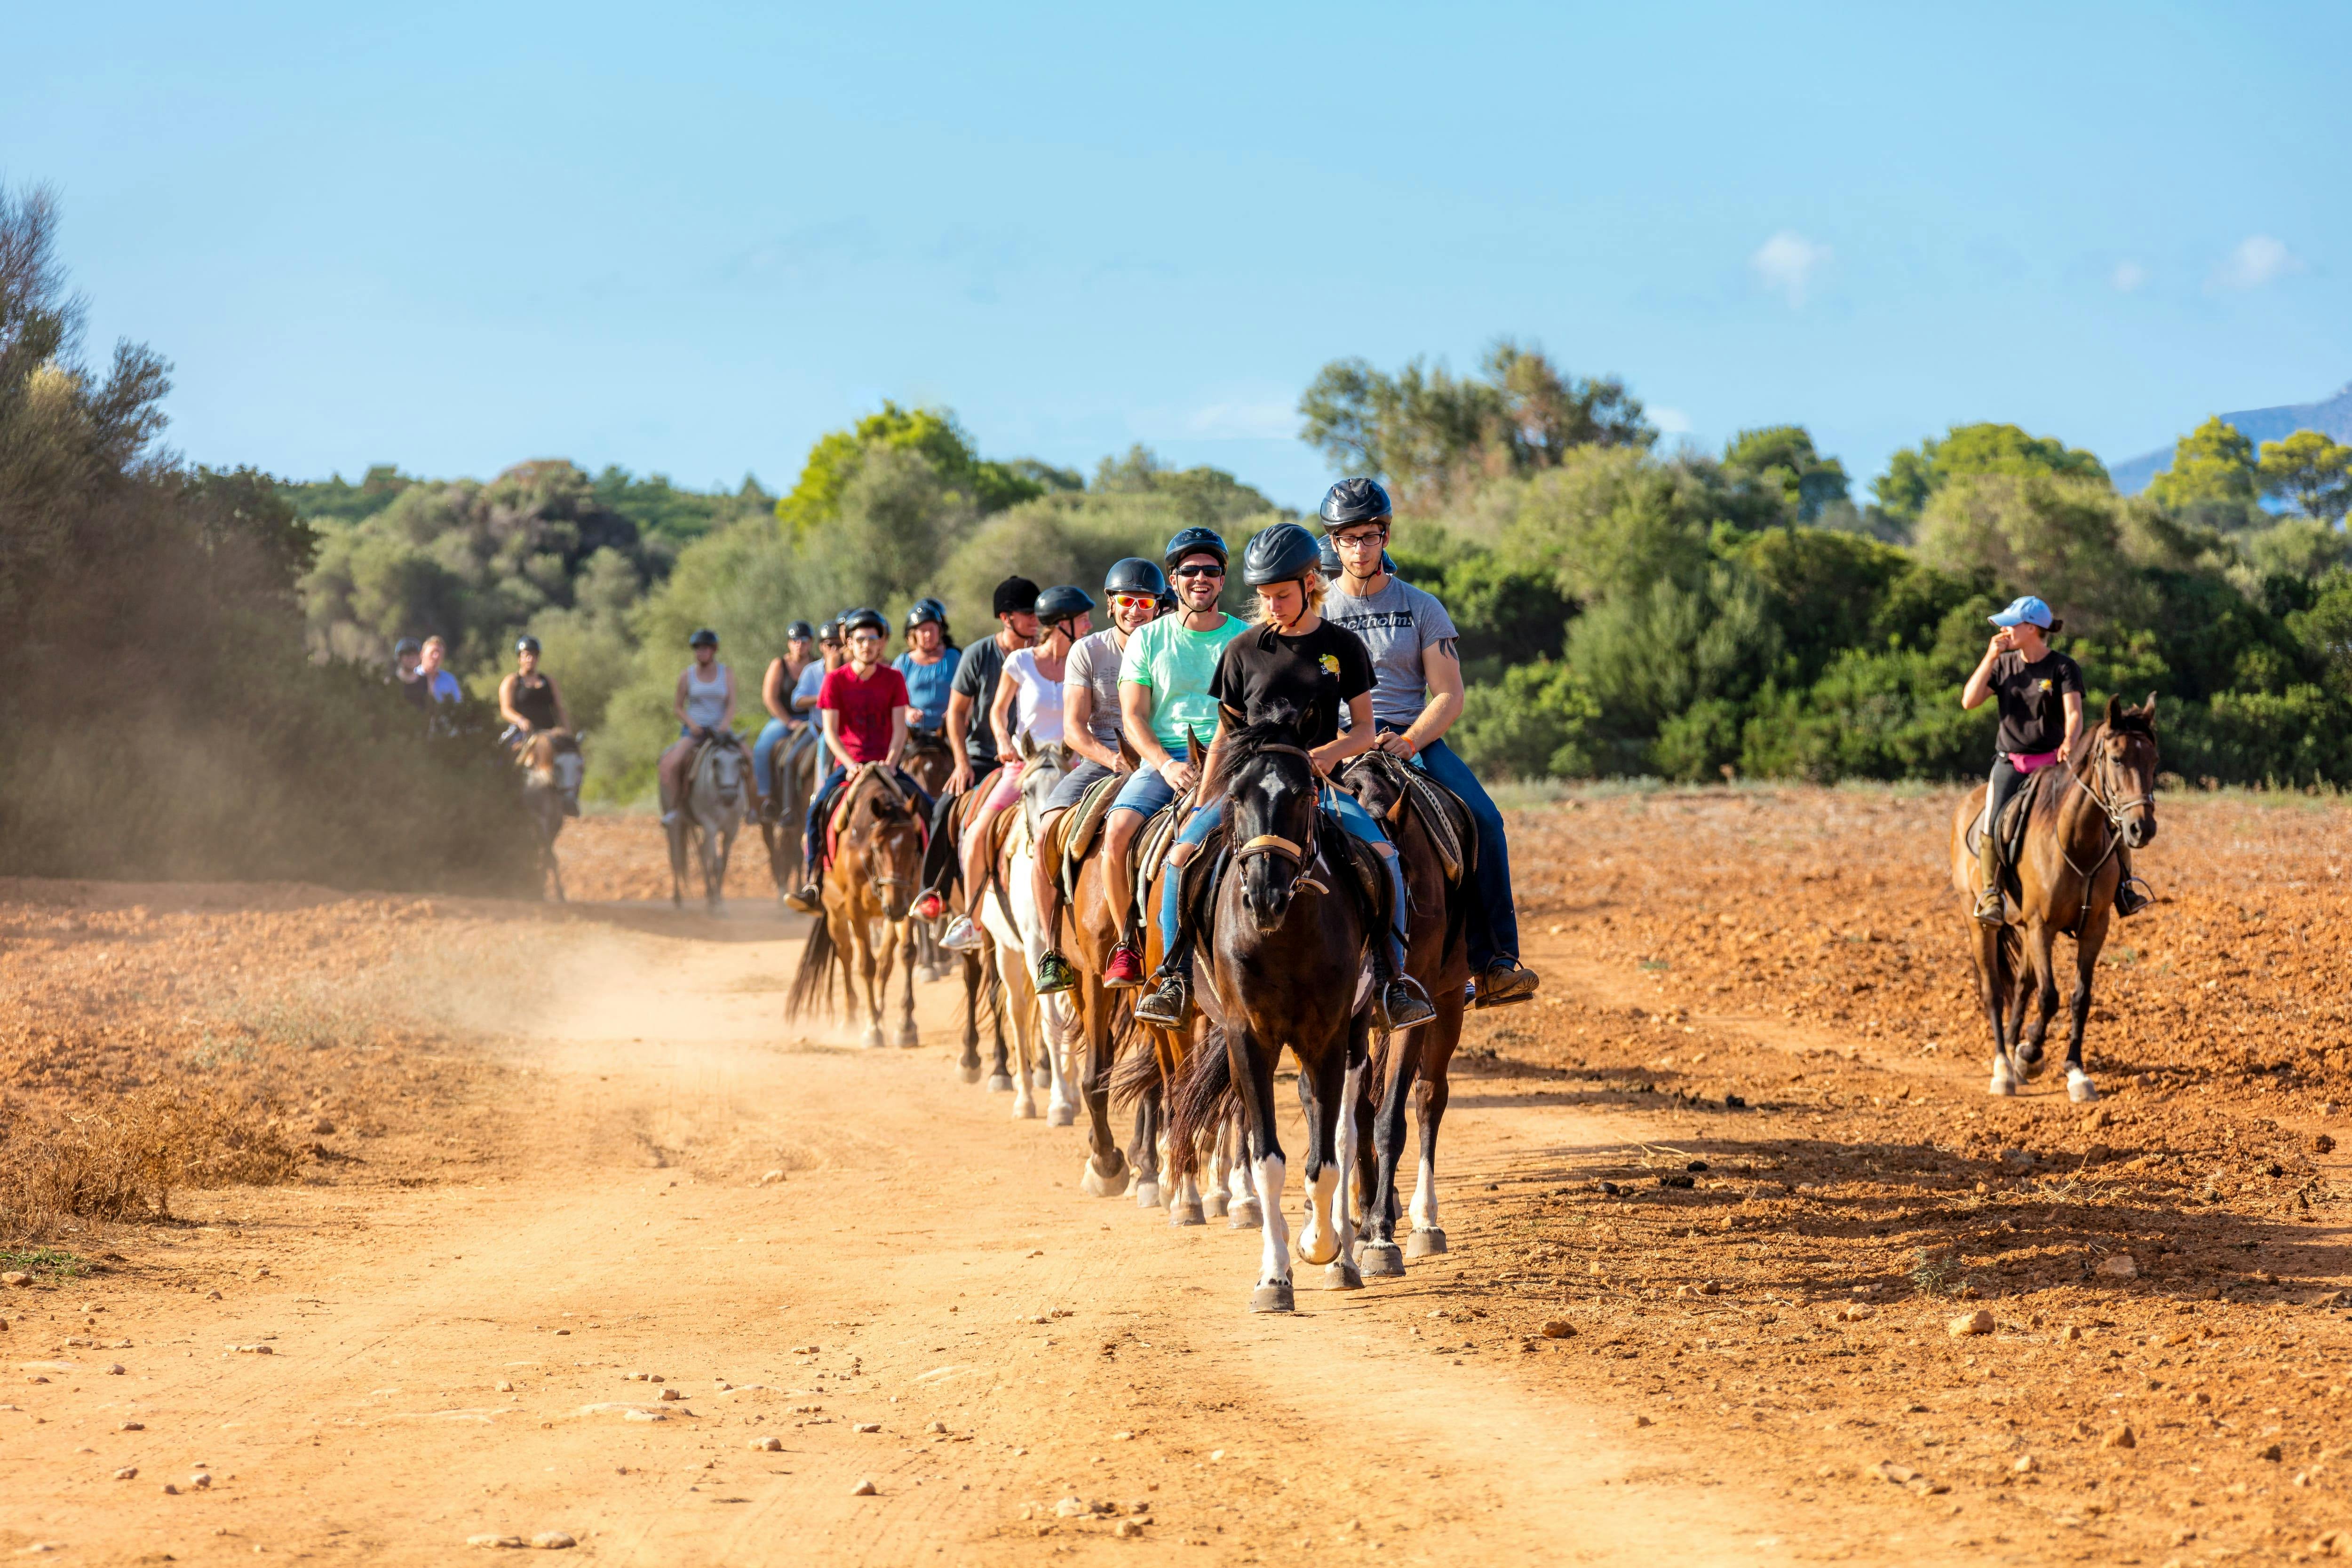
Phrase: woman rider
(1294, 656)
(2030, 679)
(928, 665)
(1028, 702)
(1416, 697)
(1091, 729)
(529, 698)
(704, 706)
(862, 707)
(776, 697)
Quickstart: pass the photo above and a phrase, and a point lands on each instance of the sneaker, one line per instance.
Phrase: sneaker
(1125, 970)
(1399, 1007)
(929, 906)
(961, 935)
(1988, 907)
(1055, 974)
(1505, 982)
(803, 899)
(1167, 1004)
(2131, 897)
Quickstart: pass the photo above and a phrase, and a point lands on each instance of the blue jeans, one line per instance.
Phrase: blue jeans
(823, 803)
(763, 755)
(1361, 826)
(1494, 932)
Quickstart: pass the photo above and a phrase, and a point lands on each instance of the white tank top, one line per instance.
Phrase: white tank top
(705, 700)
(1037, 701)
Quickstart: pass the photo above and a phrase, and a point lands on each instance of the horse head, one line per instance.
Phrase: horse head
(1273, 798)
(723, 768)
(2123, 767)
(885, 834)
(1377, 780)
(570, 767)
(1045, 768)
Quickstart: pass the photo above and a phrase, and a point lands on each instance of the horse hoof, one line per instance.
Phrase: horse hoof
(1274, 1298)
(1342, 1275)
(1095, 1185)
(1061, 1115)
(1041, 1077)
(1382, 1260)
(873, 1037)
(2033, 1065)
(2003, 1083)
(2079, 1087)
(1146, 1194)
(1245, 1216)
(1025, 1110)
(999, 1083)
(909, 1038)
(1186, 1214)
(1425, 1244)
(926, 974)
(969, 1074)
(1215, 1205)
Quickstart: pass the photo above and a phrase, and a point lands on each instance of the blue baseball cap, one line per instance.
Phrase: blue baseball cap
(2027, 609)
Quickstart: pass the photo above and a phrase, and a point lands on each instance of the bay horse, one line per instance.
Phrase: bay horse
(1285, 966)
(930, 763)
(717, 797)
(552, 768)
(2078, 812)
(876, 861)
(796, 761)
(1414, 1065)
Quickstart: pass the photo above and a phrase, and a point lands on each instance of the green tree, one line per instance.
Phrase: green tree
(2309, 469)
(835, 461)
(2212, 476)
(1914, 475)
(1780, 461)
(2063, 539)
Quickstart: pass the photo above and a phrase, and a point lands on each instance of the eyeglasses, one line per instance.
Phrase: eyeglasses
(1372, 538)
(1200, 571)
(1134, 601)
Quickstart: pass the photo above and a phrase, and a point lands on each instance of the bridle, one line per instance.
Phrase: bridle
(2115, 808)
(1304, 856)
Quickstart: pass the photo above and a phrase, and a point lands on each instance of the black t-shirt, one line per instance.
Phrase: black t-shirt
(975, 677)
(1318, 675)
(419, 692)
(2032, 700)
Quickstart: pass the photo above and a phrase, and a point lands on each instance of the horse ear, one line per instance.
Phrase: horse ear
(2115, 707)
(1192, 746)
(2149, 709)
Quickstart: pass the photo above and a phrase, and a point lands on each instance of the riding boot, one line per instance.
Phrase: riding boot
(2132, 895)
(1398, 1001)
(1988, 903)
(1169, 1002)
(1503, 982)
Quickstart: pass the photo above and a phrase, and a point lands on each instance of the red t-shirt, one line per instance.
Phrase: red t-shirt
(866, 707)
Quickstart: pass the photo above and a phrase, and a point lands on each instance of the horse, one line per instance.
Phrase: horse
(1007, 907)
(2101, 796)
(930, 762)
(982, 991)
(717, 793)
(796, 759)
(552, 768)
(869, 884)
(1286, 966)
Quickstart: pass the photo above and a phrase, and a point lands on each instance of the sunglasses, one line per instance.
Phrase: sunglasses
(1200, 571)
(1133, 601)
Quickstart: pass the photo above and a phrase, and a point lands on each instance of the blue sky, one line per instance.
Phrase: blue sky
(690, 239)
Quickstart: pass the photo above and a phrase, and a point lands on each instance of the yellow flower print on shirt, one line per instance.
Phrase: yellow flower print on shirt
(1330, 663)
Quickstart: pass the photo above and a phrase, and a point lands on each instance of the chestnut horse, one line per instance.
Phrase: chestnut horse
(2101, 797)
(876, 861)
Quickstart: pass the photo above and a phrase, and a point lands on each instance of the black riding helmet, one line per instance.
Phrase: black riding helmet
(526, 644)
(800, 631)
(1135, 575)
(1194, 541)
(1282, 552)
(1353, 501)
(1013, 596)
(406, 645)
(1062, 603)
(926, 612)
(863, 620)
(706, 638)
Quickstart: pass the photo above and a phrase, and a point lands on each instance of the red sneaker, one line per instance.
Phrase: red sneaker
(1124, 970)
(929, 906)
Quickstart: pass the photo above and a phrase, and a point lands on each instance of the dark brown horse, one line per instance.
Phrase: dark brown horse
(929, 763)
(981, 993)
(1413, 1065)
(2099, 798)
(869, 883)
(1286, 966)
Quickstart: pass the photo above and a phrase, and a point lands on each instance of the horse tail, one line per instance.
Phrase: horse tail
(1135, 1073)
(1200, 1097)
(813, 983)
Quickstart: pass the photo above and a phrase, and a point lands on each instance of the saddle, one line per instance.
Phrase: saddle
(2010, 831)
(1079, 826)
(845, 797)
(1452, 829)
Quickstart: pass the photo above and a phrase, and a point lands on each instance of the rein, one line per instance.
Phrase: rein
(2113, 810)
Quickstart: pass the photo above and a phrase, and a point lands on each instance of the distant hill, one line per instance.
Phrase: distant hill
(2330, 418)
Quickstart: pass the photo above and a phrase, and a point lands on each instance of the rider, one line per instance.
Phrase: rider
(928, 665)
(1416, 697)
(529, 698)
(1091, 730)
(776, 696)
(414, 687)
(1028, 702)
(1294, 657)
(1163, 689)
(2024, 673)
(974, 690)
(864, 708)
(438, 681)
(705, 704)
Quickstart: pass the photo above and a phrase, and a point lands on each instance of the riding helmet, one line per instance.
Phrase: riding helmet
(1194, 541)
(1013, 596)
(800, 631)
(1353, 501)
(706, 638)
(1169, 602)
(526, 644)
(863, 620)
(926, 612)
(1135, 575)
(406, 645)
(1282, 552)
(1063, 603)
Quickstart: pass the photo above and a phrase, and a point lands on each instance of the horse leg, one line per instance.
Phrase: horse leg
(1086, 1018)
(1252, 1076)
(1382, 1257)
(1184, 1204)
(1143, 1150)
(2040, 943)
(677, 833)
(1106, 1170)
(1993, 995)
(2079, 1087)
(1428, 1237)
(968, 1064)
(1028, 1024)
(908, 1034)
(1216, 1193)
(718, 846)
(864, 937)
(1000, 1076)
(1243, 1212)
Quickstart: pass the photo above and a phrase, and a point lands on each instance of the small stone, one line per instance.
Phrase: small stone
(2119, 1266)
(553, 1541)
(942, 1426)
(643, 1416)
(171, 1491)
(1857, 1311)
(771, 1444)
(1901, 1475)
(252, 1350)
(2271, 1453)
(2096, 1120)
(513, 1541)
(1074, 1507)
(504, 1386)
(127, 1473)
(867, 1427)
(200, 1480)
(1644, 1421)
(131, 1426)
(863, 1489)
(16, 1277)
(1139, 1508)
(114, 1369)
(2322, 1143)
(1558, 1328)
(1976, 1322)
(262, 1272)
(2025, 1465)
(1710, 1289)
(1127, 1529)
(771, 1178)
(672, 1395)
(2119, 1438)
(2070, 1334)
(322, 1127)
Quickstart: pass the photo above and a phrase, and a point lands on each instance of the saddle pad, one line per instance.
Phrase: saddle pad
(1159, 837)
(1437, 806)
(2013, 820)
(1094, 806)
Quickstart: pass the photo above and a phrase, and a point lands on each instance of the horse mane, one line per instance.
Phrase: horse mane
(1276, 726)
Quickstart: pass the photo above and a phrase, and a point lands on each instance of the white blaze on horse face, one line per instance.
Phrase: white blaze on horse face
(1274, 1259)
(1424, 1194)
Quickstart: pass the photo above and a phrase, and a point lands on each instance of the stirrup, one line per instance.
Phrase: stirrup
(1400, 1005)
(962, 935)
(1989, 906)
(928, 905)
(1168, 1003)
(2132, 895)
(1055, 973)
(1504, 982)
(1124, 971)
(803, 899)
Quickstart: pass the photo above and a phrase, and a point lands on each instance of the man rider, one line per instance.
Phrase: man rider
(1092, 731)
(973, 691)
(414, 689)
(862, 706)
(776, 696)
(1164, 688)
(1416, 697)
(528, 698)
(2030, 679)
(438, 681)
(1296, 661)
(704, 703)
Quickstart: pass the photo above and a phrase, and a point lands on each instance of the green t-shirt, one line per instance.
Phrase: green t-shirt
(1177, 666)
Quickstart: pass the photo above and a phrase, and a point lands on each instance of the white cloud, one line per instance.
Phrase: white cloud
(2259, 259)
(1243, 422)
(1669, 421)
(2127, 277)
(1787, 263)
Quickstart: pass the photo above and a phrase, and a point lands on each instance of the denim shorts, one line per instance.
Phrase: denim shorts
(1075, 784)
(1144, 791)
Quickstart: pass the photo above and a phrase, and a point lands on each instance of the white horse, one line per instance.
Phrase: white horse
(1010, 912)
(717, 796)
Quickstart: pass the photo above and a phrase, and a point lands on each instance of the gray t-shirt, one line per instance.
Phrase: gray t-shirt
(1397, 624)
(975, 677)
(1094, 664)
